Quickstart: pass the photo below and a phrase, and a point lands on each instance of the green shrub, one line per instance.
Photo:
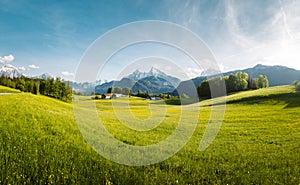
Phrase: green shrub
(297, 86)
(295, 83)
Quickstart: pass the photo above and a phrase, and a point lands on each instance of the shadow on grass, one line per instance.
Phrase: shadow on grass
(294, 101)
(184, 101)
(291, 99)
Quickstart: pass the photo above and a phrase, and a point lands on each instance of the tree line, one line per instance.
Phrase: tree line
(127, 91)
(119, 90)
(51, 87)
(239, 81)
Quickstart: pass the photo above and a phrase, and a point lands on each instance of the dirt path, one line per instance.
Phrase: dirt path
(1, 94)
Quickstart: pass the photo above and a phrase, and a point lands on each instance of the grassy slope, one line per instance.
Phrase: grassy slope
(259, 143)
(7, 90)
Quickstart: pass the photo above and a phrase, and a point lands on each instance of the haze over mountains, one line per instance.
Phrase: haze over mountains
(156, 81)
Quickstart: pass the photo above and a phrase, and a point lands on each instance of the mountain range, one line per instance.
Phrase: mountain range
(277, 75)
(11, 71)
(156, 81)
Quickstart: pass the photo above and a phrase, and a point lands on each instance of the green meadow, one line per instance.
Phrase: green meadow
(8, 90)
(258, 143)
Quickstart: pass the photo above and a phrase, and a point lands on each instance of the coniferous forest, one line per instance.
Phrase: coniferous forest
(51, 87)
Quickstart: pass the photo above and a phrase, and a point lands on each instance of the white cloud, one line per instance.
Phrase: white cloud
(193, 72)
(32, 66)
(67, 74)
(7, 59)
(22, 68)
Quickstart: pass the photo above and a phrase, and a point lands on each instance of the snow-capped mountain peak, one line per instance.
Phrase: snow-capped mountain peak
(137, 75)
(44, 76)
(10, 71)
(155, 72)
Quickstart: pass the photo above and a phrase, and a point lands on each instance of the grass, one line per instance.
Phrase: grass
(259, 142)
(4, 89)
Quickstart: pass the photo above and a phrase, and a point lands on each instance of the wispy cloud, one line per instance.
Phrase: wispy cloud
(67, 74)
(244, 33)
(32, 66)
(234, 26)
(6, 59)
(271, 39)
(187, 13)
(285, 22)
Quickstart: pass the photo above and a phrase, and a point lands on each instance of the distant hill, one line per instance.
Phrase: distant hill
(277, 75)
(188, 87)
(125, 82)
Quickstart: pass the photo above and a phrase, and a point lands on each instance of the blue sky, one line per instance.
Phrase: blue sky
(52, 36)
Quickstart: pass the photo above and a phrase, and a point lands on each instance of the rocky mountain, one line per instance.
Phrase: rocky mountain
(137, 75)
(10, 71)
(154, 81)
(153, 85)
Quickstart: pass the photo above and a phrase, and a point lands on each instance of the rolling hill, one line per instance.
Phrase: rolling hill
(258, 143)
